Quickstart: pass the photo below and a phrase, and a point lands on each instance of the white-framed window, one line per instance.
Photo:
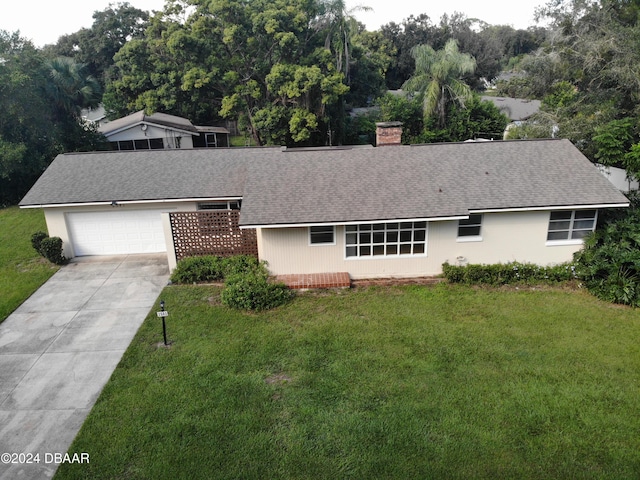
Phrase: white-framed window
(386, 239)
(470, 229)
(567, 225)
(220, 205)
(322, 235)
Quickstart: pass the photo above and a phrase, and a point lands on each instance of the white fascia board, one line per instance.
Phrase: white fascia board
(537, 209)
(134, 202)
(359, 222)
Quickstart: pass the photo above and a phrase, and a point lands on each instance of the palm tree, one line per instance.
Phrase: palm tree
(341, 25)
(438, 78)
(70, 86)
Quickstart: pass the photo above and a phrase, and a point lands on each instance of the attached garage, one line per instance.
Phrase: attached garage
(116, 232)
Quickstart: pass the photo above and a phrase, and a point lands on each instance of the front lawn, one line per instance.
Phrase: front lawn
(22, 270)
(399, 382)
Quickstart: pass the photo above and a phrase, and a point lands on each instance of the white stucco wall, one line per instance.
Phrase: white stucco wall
(506, 237)
(56, 219)
(168, 136)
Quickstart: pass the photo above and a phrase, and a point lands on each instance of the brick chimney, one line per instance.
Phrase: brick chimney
(388, 133)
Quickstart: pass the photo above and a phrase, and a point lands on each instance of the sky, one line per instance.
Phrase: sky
(43, 21)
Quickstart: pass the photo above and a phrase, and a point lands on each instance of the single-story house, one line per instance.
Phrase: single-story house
(388, 211)
(158, 131)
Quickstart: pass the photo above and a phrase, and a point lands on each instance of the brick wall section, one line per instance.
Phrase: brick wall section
(388, 133)
(211, 233)
(316, 280)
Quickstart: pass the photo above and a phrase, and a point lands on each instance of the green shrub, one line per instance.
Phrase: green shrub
(247, 285)
(253, 291)
(240, 264)
(51, 248)
(609, 263)
(206, 268)
(506, 273)
(36, 241)
(210, 268)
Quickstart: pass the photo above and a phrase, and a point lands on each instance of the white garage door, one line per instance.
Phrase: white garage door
(117, 232)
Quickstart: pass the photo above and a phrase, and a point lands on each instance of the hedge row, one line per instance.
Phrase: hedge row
(209, 268)
(506, 273)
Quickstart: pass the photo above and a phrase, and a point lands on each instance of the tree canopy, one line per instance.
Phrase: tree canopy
(588, 77)
(40, 100)
(438, 78)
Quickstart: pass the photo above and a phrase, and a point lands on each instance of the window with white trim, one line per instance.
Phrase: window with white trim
(470, 227)
(386, 239)
(230, 205)
(322, 235)
(571, 224)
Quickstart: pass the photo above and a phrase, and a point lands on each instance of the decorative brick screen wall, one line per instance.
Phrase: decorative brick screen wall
(211, 233)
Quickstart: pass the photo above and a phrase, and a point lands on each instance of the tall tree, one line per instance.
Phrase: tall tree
(70, 86)
(404, 37)
(373, 55)
(588, 76)
(486, 50)
(33, 129)
(262, 62)
(96, 46)
(437, 78)
(340, 25)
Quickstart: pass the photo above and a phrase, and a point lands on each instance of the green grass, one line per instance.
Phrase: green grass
(241, 141)
(405, 382)
(22, 270)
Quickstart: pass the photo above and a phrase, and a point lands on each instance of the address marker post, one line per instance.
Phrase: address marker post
(163, 314)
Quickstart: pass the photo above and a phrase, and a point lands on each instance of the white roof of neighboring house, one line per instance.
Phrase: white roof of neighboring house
(163, 120)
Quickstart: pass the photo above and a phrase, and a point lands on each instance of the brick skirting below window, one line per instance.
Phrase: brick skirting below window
(316, 280)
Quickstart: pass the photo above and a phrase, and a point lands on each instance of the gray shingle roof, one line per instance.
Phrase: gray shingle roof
(140, 175)
(428, 181)
(314, 186)
(515, 108)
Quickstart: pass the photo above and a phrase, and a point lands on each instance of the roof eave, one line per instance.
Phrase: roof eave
(132, 202)
(352, 222)
(550, 207)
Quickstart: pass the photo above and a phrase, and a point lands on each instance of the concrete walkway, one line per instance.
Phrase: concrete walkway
(60, 347)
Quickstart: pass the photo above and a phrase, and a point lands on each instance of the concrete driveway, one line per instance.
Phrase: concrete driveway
(59, 348)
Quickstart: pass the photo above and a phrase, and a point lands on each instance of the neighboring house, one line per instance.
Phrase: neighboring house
(391, 211)
(97, 115)
(158, 131)
(517, 109)
(619, 178)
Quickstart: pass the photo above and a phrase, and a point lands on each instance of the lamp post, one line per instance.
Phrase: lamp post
(163, 314)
